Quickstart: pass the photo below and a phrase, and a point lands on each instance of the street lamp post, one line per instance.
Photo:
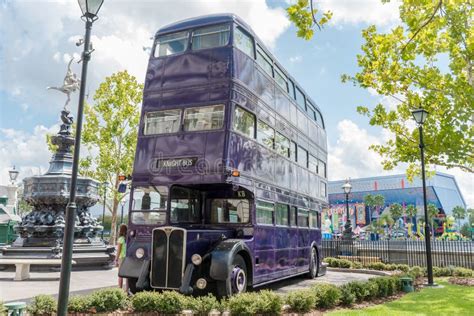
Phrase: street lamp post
(13, 176)
(420, 116)
(347, 187)
(121, 212)
(89, 9)
(105, 185)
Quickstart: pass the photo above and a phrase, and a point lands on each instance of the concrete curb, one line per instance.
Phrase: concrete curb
(363, 271)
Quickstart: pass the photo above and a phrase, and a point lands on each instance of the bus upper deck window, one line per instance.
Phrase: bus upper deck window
(212, 36)
(171, 44)
(204, 118)
(162, 122)
(244, 42)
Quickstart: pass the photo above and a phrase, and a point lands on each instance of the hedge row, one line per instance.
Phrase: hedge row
(437, 271)
(266, 302)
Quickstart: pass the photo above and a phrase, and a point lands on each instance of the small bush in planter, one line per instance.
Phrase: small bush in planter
(372, 289)
(327, 295)
(170, 302)
(332, 262)
(301, 301)
(343, 263)
(3, 309)
(42, 305)
(145, 301)
(382, 285)
(202, 305)
(268, 303)
(347, 297)
(442, 272)
(359, 289)
(242, 304)
(357, 265)
(80, 304)
(462, 272)
(377, 266)
(403, 267)
(108, 300)
(416, 272)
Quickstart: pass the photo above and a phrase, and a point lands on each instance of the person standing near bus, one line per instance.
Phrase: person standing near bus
(121, 252)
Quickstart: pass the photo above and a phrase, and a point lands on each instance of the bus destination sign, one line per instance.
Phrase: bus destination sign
(176, 163)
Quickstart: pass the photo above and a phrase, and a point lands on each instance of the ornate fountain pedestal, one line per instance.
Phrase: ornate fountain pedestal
(41, 231)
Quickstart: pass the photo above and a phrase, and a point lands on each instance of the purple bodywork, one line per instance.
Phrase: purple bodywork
(225, 75)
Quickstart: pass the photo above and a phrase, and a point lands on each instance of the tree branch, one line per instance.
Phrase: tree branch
(424, 24)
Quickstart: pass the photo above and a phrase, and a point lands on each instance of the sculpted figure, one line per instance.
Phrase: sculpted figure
(70, 84)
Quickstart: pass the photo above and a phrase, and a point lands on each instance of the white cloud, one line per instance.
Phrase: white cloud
(361, 11)
(350, 157)
(296, 59)
(40, 45)
(27, 151)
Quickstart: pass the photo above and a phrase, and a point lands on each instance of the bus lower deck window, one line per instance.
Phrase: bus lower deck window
(264, 213)
(229, 211)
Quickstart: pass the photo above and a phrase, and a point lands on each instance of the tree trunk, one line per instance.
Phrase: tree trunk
(113, 226)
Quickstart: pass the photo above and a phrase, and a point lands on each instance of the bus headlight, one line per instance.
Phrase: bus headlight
(139, 253)
(196, 259)
(201, 283)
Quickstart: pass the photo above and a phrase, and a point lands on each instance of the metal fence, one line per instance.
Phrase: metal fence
(410, 252)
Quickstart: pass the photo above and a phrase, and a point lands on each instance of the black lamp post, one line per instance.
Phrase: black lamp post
(347, 187)
(121, 212)
(89, 9)
(420, 116)
(105, 185)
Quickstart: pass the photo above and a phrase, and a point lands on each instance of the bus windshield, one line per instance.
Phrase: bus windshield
(185, 205)
(149, 205)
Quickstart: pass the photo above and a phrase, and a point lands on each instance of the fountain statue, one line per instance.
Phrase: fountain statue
(41, 231)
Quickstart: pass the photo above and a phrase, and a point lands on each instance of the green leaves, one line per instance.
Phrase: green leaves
(426, 62)
(303, 15)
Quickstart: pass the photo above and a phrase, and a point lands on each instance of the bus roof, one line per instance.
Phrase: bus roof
(201, 21)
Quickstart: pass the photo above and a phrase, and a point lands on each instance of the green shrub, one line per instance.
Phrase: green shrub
(347, 297)
(442, 272)
(301, 301)
(416, 272)
(42, 305)
(242, 304)
(108, 300)
(170, 302)
(359, 289)
(357, 265)
(79, 304)
(343, 263)
(462, 272)
(382, 285)
(327, 295)
(390, 267)
(403, 267)
(145, 301)
(331, 261)
(3, 309)
(268, 303)
(203, 305)
(377, 266)
(392, 285)
(372, 289)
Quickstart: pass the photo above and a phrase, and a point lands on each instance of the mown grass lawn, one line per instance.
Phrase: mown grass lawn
(450, 300)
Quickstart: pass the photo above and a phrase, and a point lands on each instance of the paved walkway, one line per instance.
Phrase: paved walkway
(48, 283)
(83, 282)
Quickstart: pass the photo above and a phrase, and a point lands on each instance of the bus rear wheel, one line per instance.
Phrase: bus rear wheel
(313, 264)
(236, 281)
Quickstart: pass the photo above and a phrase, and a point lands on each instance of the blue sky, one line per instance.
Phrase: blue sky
(36, 48)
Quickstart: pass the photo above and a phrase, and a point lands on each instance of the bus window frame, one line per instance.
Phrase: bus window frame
(155, 44)
(191, 38)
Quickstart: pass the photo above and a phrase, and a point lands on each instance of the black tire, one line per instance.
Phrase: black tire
(236, 281)
(313, 264)
(132, 285)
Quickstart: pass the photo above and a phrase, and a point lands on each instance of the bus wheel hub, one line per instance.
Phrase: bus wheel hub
(238, 279)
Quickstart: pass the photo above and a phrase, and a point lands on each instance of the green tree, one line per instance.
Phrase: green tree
(396, 211)
(432, 213)
(427, 62)
(374, 202)
(110, 135)
(410, 212)
(303, 15)
(459, 213)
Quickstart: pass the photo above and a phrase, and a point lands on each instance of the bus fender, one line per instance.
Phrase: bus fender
(318, 250)
(222, 255)
(131, 268)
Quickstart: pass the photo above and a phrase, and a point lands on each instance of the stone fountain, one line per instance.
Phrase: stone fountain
(41, 231)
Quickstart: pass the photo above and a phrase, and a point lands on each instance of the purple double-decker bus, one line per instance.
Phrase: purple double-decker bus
(229, 176)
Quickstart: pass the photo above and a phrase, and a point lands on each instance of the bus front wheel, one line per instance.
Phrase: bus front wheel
(314, 264)
(236, 281)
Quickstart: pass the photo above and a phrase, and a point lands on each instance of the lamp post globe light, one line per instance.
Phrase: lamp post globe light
(420, 116)
(347, 187)
(89, 9)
